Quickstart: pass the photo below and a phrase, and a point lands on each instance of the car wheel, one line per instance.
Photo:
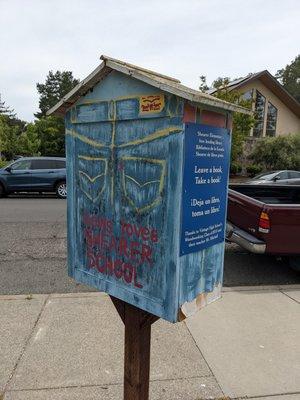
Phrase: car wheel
(295, 263)
(61, 190)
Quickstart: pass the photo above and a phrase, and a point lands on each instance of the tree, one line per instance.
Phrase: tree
(11, 128)
(51, 134)
(50, 130)
(5, 110)
(203, 85)
(29, 141)
(289, 77)
(13, 141)
(9, 114)
(56, 86)
(9, 135)
(242, 123)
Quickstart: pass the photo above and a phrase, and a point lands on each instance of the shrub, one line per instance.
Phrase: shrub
(253, 169)
(3, 163)
(235, 168)
(280, 152)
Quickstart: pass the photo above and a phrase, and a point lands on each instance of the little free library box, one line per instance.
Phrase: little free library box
(147, 176)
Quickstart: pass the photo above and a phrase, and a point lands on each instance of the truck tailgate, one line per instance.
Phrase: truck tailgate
(284, 236)
(244, 212)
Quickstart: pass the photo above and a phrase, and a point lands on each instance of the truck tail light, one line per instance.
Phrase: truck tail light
(264, 223)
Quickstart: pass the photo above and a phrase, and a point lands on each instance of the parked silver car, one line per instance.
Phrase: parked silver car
(284, 177)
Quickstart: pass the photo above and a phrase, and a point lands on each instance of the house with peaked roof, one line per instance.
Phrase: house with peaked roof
(277, 112)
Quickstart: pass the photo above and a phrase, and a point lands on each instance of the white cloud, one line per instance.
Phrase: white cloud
(180, 38)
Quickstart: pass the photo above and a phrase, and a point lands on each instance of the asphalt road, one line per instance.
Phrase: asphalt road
(33, 252)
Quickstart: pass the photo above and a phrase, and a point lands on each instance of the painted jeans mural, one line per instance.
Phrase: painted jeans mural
(124, 193)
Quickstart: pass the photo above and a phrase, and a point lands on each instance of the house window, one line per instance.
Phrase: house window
(271, 120)
(259, 114)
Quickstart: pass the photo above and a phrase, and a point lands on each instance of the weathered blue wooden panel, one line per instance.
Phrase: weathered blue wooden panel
(125, 155)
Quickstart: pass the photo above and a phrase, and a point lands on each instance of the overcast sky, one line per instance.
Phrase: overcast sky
(181, 38)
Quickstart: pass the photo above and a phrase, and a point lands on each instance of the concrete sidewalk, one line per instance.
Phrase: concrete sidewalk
(64, 347)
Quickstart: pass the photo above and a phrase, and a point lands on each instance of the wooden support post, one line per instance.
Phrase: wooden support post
(137, 349)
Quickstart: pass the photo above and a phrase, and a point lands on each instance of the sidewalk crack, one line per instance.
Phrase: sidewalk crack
(267, 396)
(208, 366)
(292, 298)
(27, 341)
(102, 385)
(29, 257)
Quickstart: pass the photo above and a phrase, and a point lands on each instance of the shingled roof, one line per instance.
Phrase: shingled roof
(163, 82)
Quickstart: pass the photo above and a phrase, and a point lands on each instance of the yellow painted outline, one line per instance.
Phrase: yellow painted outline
(120, 98)
(115, 100)
(153, 136)
(141, 184)
(112, 146)
(88, 102)
(82, 138)
(74, 111)
(161, 182)
(91, 158)
(92, 179)
(149, 138)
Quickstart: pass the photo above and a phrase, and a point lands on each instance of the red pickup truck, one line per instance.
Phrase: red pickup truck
(265, 219)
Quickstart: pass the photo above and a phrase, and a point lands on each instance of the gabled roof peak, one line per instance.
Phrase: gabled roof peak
(271, 83)
(135, 67)
(160, 81)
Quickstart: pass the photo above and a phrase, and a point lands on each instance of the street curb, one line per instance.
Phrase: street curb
(261, 288)
(30, 297)
(272, 288)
